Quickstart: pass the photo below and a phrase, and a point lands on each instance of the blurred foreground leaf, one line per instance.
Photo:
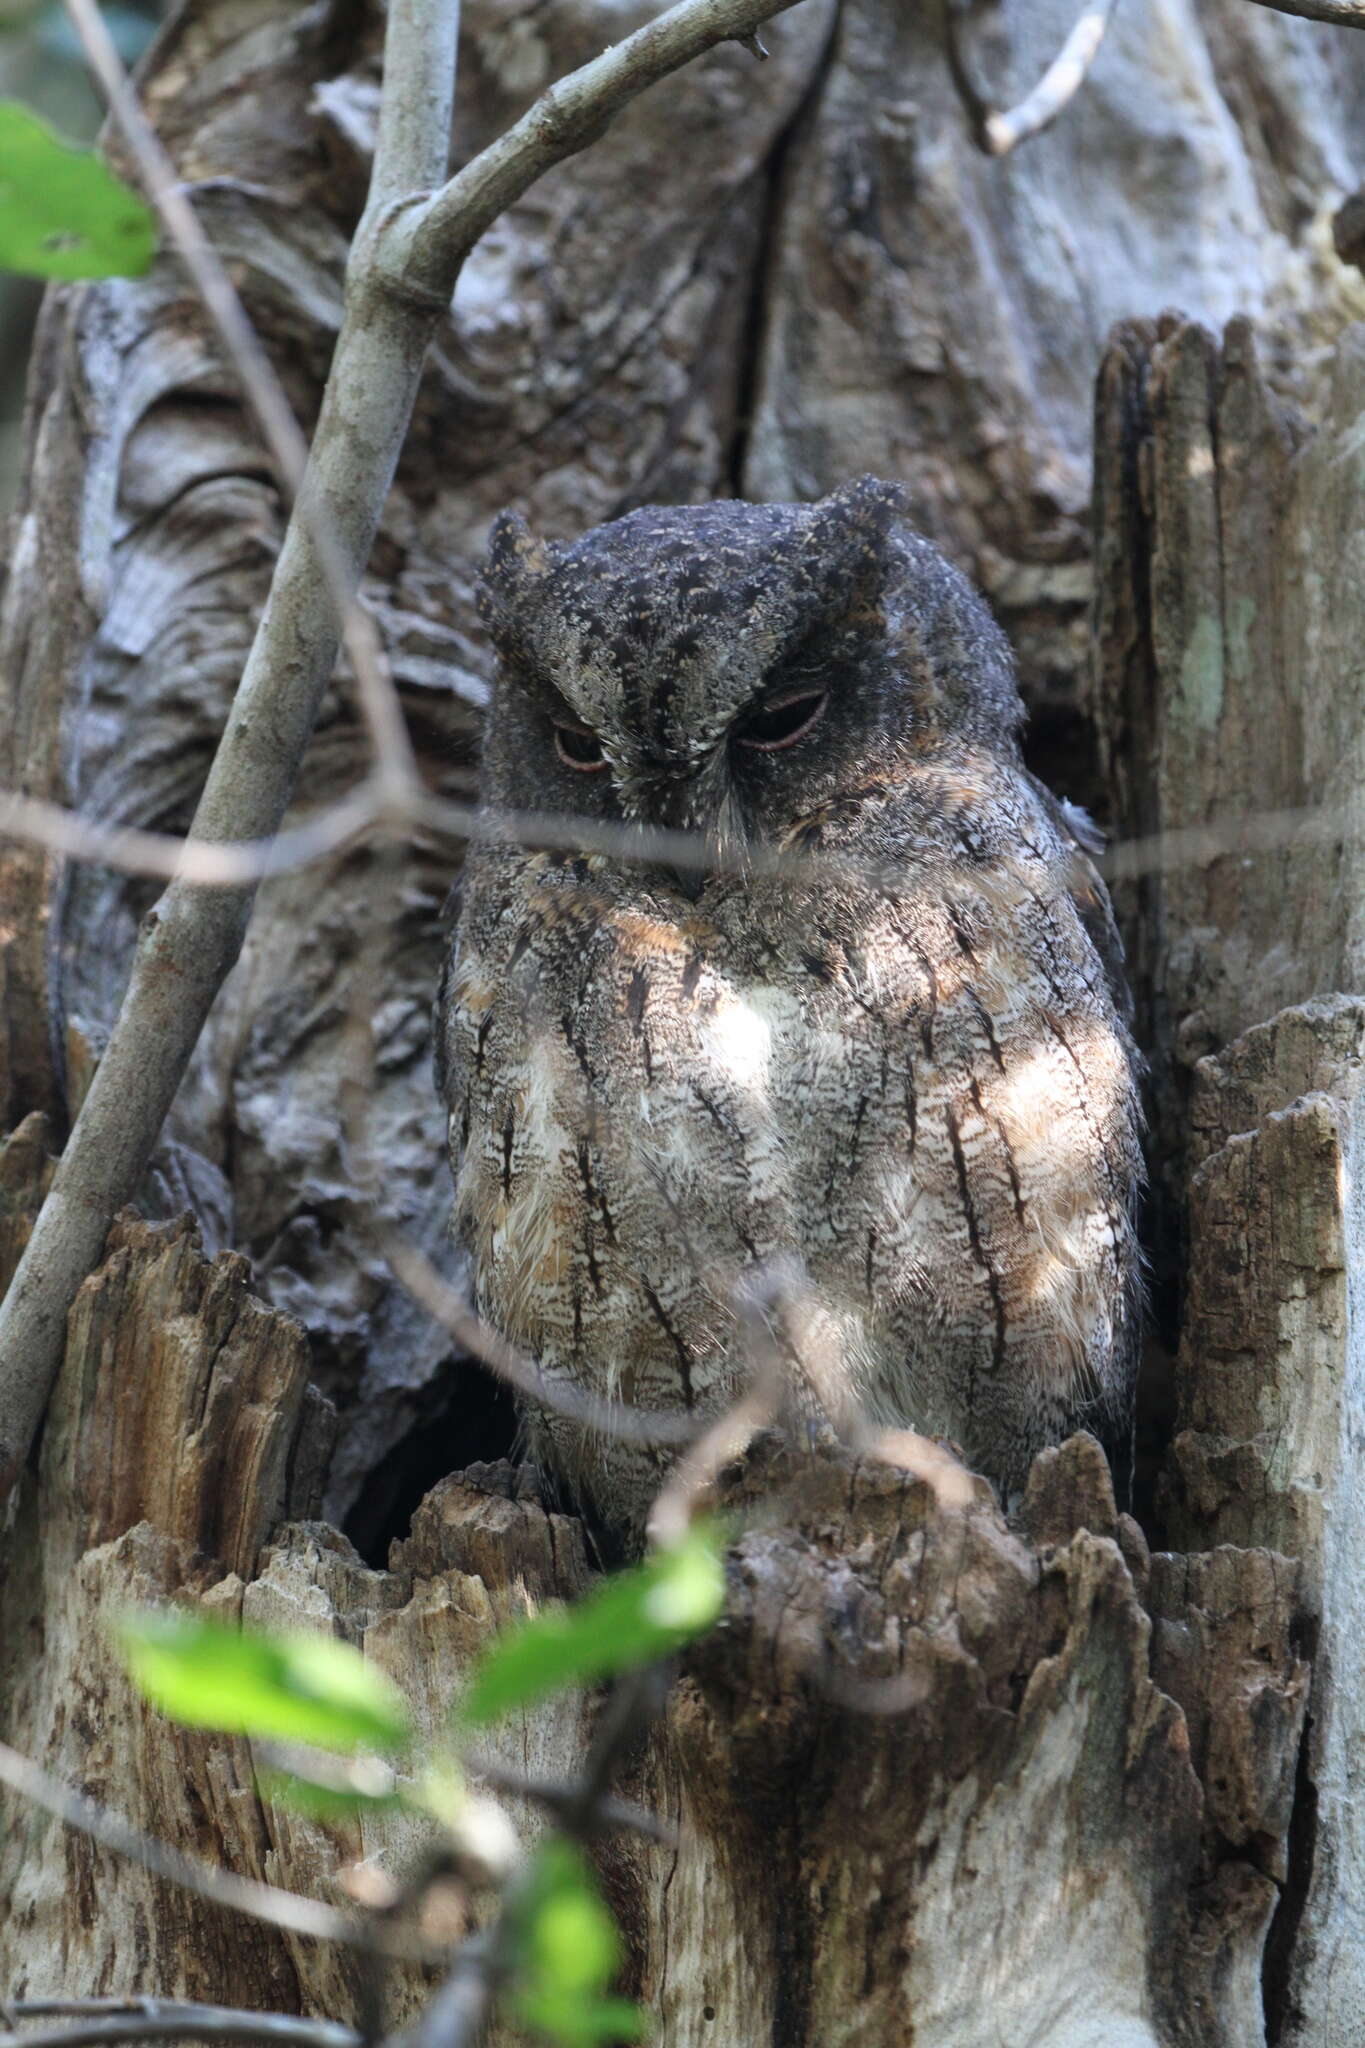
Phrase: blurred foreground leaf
(285, 1688)
(63, 213)
(633, 1618)
(362, 1784)
(567, 1951)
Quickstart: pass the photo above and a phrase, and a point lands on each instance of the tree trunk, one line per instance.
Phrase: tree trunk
(936, 1775)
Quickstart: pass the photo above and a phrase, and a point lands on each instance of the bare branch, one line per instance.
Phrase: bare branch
(297, 1915)
(998, 131)
(70, 2008)
(216, 864)
(261, 387)
(730, 1435)
(436, 236)
(558, 1799)
(230, 863)
(459, 2007)
(412, 146)
(163, 2019)
(189, 942)
(1342, 13)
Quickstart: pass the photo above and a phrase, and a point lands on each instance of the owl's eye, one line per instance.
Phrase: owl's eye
(781, 721)
(579, 748)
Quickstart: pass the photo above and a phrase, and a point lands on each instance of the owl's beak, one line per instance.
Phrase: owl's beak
(688, 881)
(697, 804)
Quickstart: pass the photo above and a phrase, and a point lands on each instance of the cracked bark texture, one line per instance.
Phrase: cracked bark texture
(905, 1703)
(1229, 528)
(936, 1773)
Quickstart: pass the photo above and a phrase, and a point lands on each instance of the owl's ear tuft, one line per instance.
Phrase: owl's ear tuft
(845, 543)
(857, 517)
(516, 559)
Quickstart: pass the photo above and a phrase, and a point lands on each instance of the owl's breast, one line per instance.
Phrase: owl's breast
(929, 1107)
(611, 1080)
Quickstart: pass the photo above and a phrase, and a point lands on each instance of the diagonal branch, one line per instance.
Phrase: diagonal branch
(169, 2019)
(1343, 13)
(191, 939)
(289, 1910)
(996, 130)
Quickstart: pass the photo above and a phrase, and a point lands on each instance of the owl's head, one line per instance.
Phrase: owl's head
(727, 668)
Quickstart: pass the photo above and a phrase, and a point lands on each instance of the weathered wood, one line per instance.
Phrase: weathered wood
(1271, 1425)
(923, 1772)
(1229, 686)
(939, 316)
(771, 277)
(935, 1774)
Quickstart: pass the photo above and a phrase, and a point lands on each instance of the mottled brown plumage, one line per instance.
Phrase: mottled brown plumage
(920, 1093)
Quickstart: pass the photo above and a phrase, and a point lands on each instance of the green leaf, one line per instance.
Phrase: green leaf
(566, 1951)
(63, 213)
(579, 2023)
(332, 1798)
(636, 1617)
(440, 1790)
(285, 1688)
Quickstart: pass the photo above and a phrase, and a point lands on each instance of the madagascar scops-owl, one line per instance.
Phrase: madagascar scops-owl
(898, 1062)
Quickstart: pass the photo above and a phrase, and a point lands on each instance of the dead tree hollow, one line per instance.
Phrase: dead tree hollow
(1107, 1792)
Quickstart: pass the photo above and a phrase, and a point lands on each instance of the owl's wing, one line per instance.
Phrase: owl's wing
(1084, 840)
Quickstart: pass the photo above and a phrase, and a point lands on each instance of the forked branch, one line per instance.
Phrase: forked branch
(437, 235)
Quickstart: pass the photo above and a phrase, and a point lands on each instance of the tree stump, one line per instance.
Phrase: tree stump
(934, 1772)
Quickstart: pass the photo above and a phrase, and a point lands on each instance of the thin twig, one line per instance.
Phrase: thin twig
(996, 130)
(261, 388)
(232, 863)
(163, 2019)
(457, 2012)
(449, 1308)
(1341, 13)
(164, 856)
(730, 1435)
(73, 2008)
(559, 1799)
(458, 2008)
(288, 1910)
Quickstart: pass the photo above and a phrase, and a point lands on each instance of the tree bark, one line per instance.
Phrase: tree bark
(936, 1773)
(1229, 692)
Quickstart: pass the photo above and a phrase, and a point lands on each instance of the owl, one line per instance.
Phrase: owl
(866, 1023)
